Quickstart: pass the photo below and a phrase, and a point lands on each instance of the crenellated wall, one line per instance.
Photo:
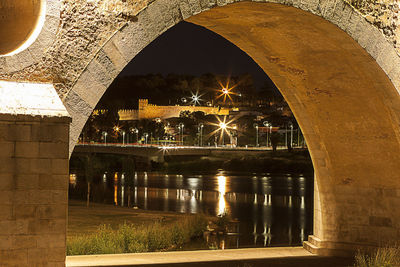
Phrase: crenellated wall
(151, 111)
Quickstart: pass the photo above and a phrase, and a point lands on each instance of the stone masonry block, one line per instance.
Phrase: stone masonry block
(7, 165)
(47, 226)
(26, 149)
(24, 211)
(22, 132)
(27, 181)
(6, 212)
(7, 182)
(46, 181)
(89, 80)
(112, 52)
(5, 242)
(23, 241)
(59, 197)
(7, 149)
(7, 132)
(60, 166)
(40, 166)
(10, 256)
(53, 150)
(51, 212)
(6, 196)
(41, 197)
(51, 241)
(186, 10)
(310, 5)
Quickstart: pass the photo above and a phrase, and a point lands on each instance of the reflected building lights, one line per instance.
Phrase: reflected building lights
(72, 179)
(116, 189)
(145, 198)
(122, 189)
(221, 196)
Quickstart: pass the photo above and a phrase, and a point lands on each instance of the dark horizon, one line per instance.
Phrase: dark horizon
(190, 49)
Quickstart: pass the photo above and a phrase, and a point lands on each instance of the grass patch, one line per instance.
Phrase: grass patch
(382, 257)
(130, 238)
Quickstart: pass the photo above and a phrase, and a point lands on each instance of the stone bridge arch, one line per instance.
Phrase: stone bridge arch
(339, 76)
(338, 72)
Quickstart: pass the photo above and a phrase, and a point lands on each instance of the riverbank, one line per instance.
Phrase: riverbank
(269, 161)
(86, 220)
(101, 230)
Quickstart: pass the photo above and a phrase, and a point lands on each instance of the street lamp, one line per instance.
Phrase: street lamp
(256, 126)
(200, 128)
(291, 133)
(267, 124)
(123, 138)
(134, 131)
(145, 137)
(105, 137)
(181, 127)
(222, 126)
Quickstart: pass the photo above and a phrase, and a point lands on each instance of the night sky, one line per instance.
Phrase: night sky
(190, 49)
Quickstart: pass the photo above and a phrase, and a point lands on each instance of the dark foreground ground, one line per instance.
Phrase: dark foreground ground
(280, 262)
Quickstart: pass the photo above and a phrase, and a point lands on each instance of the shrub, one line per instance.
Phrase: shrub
(129, 238)
(382, 257)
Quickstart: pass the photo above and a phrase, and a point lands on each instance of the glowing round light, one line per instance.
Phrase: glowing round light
(225, 91)
(222, 125)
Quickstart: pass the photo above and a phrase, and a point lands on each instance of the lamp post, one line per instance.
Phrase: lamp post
(105, 137)
(135, 131)
(291, 133)
(285, 135)
(256, 126)
(236, 135)
(266, 124)
(123, 138)
(201, 125)
(298, 136)
(181, 127)
(145, 137)
(270, 133)
(222, 127)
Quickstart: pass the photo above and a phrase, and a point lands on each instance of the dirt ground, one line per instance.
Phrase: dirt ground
(84, 220)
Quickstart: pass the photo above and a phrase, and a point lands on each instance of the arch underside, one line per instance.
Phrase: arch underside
(344, 102)
(17, 23)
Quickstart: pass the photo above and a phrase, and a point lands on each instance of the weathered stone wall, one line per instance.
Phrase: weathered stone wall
(85, 26)
(383, 14)
(34, 127)
(83, 29)
(33, 190)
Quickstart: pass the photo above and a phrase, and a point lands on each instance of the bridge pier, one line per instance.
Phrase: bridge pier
(33, 175)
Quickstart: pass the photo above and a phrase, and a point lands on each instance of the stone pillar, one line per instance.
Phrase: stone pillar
(34, 138)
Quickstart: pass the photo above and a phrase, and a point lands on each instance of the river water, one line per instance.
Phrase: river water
(267, 209)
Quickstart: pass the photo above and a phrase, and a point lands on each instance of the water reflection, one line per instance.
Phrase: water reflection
(269, 209)
(221, 196)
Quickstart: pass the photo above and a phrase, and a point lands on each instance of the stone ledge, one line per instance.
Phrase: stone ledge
(30, 99)
(327, 248)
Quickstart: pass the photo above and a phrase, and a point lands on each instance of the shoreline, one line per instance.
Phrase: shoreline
(86, 220)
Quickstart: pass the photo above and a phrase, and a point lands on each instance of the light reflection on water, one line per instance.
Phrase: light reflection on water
(272, 209)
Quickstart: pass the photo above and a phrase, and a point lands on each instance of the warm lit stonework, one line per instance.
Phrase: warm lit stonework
(338, 70)
(34, 175)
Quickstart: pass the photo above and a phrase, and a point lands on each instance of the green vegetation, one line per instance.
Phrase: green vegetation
(382, 257)
(130, 238)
